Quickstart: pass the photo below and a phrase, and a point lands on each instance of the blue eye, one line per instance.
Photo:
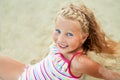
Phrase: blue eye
(69, 34)
(58, 31)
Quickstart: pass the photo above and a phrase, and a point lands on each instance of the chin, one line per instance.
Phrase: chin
(64, 51)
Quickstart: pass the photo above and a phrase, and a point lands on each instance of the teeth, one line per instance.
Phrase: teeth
(61, 45)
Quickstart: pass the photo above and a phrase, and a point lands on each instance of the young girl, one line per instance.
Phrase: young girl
(76, 32)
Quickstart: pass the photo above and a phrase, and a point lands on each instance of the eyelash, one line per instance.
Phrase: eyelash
(58, 31)
(68, 34)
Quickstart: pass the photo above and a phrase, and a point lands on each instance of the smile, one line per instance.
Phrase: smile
(62, 46)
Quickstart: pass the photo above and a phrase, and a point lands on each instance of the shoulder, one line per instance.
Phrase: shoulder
(86, 61)
(86, 65)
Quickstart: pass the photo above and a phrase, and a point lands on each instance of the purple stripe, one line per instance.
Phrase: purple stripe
(63, 64)
(50, 69)
(59, 72)
(46, 71)
(56, 76)
(59, 60)
(42, 72)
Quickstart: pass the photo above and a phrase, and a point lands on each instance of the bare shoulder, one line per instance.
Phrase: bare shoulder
(85, 62)
(86, 65)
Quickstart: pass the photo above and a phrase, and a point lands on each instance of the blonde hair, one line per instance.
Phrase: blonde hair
(97, 40)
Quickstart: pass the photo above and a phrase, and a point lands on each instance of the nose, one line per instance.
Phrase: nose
(61, 39)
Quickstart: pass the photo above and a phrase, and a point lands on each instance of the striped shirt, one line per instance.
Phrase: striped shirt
(53, 67)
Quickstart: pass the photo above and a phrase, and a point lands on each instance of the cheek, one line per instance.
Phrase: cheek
(75, 42)
(54, 37)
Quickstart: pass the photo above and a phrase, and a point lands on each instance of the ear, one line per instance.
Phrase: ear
(84, 37)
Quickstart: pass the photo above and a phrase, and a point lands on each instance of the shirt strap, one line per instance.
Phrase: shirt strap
(70, 64)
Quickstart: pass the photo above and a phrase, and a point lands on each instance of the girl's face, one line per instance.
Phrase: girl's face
(67, 35)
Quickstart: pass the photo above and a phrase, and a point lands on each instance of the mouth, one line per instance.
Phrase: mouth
(62, 46)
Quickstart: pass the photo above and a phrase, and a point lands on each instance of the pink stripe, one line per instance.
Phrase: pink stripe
(70, 64)
(20, 78)
(27, 71)
(34, 75)
(40, 70)
(63, 64)
(63, 58)
(26, 74)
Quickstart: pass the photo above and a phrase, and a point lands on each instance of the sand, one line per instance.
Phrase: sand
(26, 27)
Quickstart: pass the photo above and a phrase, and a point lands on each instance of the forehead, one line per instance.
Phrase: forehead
(65, 23)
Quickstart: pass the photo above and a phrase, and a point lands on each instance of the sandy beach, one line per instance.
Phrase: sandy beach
(26, 28)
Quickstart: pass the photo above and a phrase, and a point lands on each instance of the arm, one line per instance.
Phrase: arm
(109, 75)
(92, 68)
(10, 69)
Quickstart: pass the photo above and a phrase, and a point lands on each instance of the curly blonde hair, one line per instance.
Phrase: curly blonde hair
(97, 40)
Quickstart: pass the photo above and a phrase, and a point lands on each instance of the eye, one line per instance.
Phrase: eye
(57, 31)
(69, 34)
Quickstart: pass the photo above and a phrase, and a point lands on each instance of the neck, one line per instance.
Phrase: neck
(70, 54)
(79, 49)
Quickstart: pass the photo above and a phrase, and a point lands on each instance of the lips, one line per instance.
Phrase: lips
(63, 46)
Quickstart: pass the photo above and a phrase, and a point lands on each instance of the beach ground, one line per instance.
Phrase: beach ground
(26, 28)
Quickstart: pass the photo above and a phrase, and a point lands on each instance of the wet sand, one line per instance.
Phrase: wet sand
(26, 28)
